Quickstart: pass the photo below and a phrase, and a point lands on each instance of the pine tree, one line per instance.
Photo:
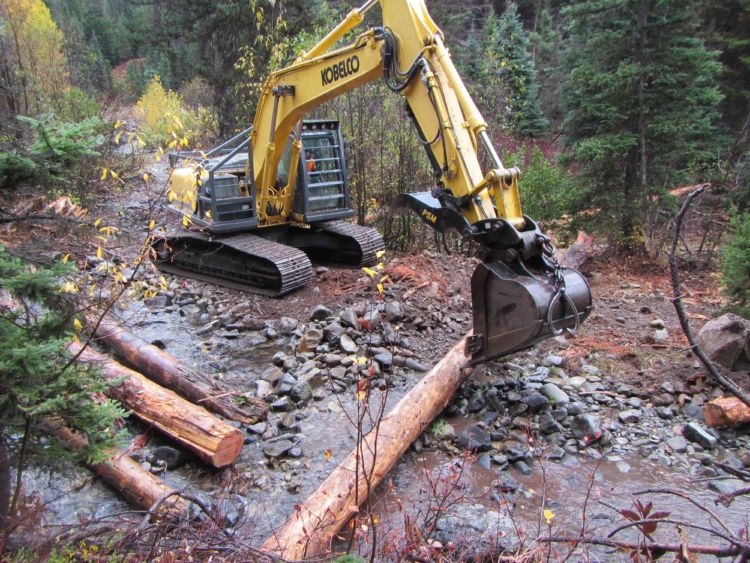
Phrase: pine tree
(508, 64)
(728, 28)
(38, 381)
(641, 101)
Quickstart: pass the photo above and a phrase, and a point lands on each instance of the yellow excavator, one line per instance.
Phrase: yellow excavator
(276, 195)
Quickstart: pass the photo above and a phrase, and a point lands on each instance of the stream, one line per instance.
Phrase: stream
(260, 491)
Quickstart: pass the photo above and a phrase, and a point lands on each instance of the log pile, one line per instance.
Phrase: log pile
(167, 370)
(209, 438)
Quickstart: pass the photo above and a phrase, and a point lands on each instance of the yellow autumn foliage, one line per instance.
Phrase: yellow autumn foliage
(166, 120)
(33, 44)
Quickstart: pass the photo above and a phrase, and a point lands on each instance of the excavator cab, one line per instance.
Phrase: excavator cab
(322, 190)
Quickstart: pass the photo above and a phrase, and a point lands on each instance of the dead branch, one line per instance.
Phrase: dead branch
(724, 381)
(730, 551)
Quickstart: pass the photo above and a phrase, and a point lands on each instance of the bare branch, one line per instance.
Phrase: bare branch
(724, 381)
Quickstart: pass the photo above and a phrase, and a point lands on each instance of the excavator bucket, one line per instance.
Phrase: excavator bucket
(515, 310)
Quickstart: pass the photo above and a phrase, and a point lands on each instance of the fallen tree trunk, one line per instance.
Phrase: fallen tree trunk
(726, 411)
(139, 487)
(209, 438)
(309, 531)
(169, 371)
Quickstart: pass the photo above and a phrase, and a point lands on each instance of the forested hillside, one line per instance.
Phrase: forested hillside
(609, 134)
(629, 121)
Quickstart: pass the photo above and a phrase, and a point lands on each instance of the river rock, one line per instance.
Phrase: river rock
(554, 360)
(724, 339)
(677, 444)
(208, 327)
(263, 389)
(258, 428)
(631, 416)
(548, 425)
(284, 404)
(535, 401)
(320, 313)
(575, 409)
(413, 364)
(272, 374)
(275, 450)
(348, 317)
(476, 401)
(555, 395)
(347, 344)
(310, 340)
(487, 529)
(583, 425)
(393, 311)
(385, 359)
(372, 317)
(169, 456)
(475, 438)
(287, 325)
(333, 332)
(522, 467)
(575, 382)
(494, 401)
(251, 323)
(665, 413)
(301, 392)
(696, 433)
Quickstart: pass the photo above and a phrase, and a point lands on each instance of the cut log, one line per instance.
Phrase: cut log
(209, 438)
(309, 531)
(139, 487)
(169, 371)
(726, 411)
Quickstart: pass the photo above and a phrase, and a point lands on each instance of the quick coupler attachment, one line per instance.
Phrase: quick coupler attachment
(513, 311)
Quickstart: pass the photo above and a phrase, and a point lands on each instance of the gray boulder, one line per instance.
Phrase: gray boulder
(555, 395)
(583, 425)
(725, 339)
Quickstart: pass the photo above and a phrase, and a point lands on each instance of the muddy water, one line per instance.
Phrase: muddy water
(568, 488)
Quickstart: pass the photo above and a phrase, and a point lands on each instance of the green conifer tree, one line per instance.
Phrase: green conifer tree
(508, 64)
(641, 99)
(39, 382)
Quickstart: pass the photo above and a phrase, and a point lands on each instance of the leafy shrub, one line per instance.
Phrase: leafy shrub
(197, 93)
(736, 264)
(162, 113)
(75, 105)
(547, 190)
(15, 168)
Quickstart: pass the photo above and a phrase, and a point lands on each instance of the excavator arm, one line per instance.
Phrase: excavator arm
(408, 51)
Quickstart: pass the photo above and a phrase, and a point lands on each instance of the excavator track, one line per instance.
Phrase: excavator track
(369, 240)
(341, 242)
(246, 262)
